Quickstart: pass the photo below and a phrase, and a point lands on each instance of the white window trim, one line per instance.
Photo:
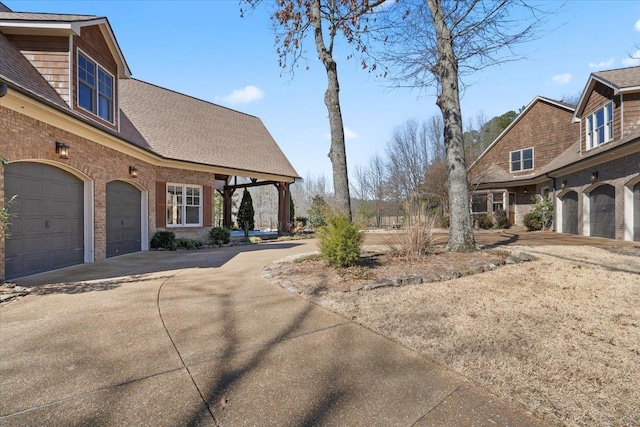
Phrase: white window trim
(522, 169)
(608, 128)
(184, 205)
(96, 93)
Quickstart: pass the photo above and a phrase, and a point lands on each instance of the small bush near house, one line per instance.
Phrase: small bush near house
(340, 241)
(189, 243)
(303, 220)
(502, 219)
(485, 221)
(255, 239)
(541, 215)
(219, 236)
(164, 240)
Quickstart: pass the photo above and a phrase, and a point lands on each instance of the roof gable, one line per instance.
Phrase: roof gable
(59, 24)
(621, 80)
(523, 113)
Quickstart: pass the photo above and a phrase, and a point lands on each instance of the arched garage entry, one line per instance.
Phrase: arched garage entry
(570, 212)
(47, 228)
(602, 211)
(125, 215)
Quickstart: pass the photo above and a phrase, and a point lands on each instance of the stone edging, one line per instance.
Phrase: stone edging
(414, 279)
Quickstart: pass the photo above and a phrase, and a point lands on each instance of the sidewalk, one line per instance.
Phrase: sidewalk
(148, 338)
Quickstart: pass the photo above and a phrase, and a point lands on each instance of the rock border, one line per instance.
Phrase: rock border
(10, 292)
(414, 279)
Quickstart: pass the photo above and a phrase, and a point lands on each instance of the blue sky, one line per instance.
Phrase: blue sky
(205, 49)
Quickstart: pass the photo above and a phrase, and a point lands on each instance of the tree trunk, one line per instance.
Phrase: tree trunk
(337, 152)
(446, 68)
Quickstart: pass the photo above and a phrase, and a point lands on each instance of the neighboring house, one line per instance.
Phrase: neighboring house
(100, 161)
(586, 157)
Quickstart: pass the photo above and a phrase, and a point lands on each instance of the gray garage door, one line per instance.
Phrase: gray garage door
(603, 211)
(123, 218)
(570, 213)
(636, 212)
(47, 219)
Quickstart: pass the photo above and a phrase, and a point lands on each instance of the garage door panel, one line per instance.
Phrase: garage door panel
(123, 219)
(570, 213)
(603, 211)
(47, 227)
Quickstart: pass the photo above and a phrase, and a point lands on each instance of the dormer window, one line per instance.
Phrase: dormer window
(521, 160)
(95, 88)
(600, 126)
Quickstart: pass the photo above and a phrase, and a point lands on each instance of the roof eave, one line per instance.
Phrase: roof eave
(593, 79)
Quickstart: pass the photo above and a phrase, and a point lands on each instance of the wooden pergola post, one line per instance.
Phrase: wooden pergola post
(227, 194)
(284, 198)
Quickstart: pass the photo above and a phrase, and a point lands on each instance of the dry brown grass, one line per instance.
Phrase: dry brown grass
(560, 335)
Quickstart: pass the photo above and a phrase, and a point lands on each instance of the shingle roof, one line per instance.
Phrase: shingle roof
(621, 78)
(54, 17)
(180, 127)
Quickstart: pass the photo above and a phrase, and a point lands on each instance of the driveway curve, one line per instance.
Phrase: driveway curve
(200, 338)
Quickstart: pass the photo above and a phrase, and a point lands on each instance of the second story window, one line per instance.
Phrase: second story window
(521, 160)
(600, 126)
(95, 88)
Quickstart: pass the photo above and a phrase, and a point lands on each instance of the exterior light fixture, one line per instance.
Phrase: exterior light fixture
(133, 172)
(594, 176)
(525, 191)
(564, 183)
(62, 150)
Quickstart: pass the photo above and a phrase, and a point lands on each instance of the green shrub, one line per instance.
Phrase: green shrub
(541, 215)
(533, 221)
(164, 240)
(255, 239)
(189, 243)
(340, 241)
(303, 220)
(219, 236)
(485, 221)
(502, 219)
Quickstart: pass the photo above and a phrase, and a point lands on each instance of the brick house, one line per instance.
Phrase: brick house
(100, 161)
(585, 157)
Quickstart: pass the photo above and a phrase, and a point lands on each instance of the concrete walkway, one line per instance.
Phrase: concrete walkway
(200, 338)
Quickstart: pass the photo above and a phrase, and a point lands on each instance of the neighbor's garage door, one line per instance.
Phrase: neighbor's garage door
(603, 211)
(46, 230)
(570, 213)
(123, 218)
(636, 212)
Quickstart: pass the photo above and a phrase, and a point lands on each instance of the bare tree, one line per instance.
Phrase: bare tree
(326, 19)
(370, 185)
(407, 157)
(438, 42)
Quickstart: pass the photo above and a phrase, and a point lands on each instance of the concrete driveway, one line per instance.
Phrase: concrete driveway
(200, 338)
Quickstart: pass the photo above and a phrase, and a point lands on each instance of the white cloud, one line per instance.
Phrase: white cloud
(637, 26)
(562, 79)
(602, 64)
(348, 134)
(244, 96)
(633, 60)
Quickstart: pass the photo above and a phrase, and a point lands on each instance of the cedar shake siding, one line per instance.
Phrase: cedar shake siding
(630, 112)
(92, 43)
(48, 55)
(545, 127)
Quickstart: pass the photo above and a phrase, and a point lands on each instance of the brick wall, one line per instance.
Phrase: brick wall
(616, 173)
(546, 127)
(50, 56)
(26, 138)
